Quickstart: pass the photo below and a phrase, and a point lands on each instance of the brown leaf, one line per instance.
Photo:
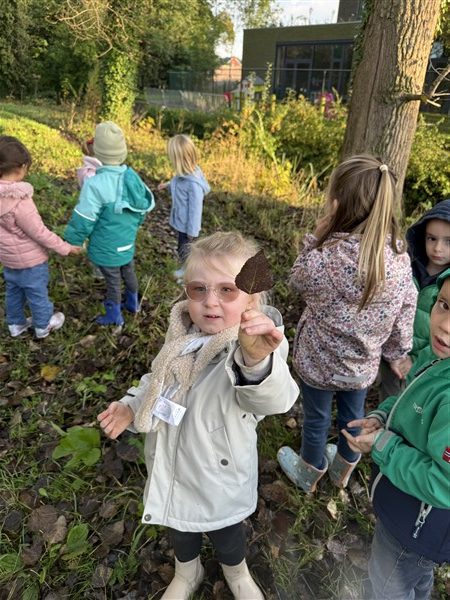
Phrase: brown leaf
(332, 508)
(26, 392)
(291, 423)
(127, 452)
(32, 554)
(101, 576)
(13, 521)
(275, 551)
(112, 534)
(255, 276)
(58, 533)
(274, 492)
(46, 520)
(87, 341)
(108, 510)
(42, 519)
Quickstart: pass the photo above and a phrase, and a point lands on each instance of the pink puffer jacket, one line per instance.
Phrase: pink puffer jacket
(24, 239)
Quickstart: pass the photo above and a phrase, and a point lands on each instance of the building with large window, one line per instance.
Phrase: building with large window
(310, 59)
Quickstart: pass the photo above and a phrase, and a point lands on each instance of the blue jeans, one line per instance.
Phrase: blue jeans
(397, 573)
(317, 405)
(28, 286)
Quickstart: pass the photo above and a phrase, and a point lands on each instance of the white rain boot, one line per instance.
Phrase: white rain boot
(340, 469)
(188, 576)
(241, 583)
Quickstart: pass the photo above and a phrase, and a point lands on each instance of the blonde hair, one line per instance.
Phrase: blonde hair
(223, 245)
(361, 200)
(182, 154)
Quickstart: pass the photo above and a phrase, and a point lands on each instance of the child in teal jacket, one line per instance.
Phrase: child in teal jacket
(112, 206)
(409, 438)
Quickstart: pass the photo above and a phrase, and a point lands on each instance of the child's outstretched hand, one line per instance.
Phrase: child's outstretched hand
(162, 186)
(364, 441)
(115, 419)
(76, 250)
(258, 337)
(401, 366)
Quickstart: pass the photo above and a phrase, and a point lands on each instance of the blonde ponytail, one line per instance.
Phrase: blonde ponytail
(364, 188)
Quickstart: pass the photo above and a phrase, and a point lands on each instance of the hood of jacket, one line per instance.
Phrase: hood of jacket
(415, 236)
(11, 193)
(135, 196)
(198, 178)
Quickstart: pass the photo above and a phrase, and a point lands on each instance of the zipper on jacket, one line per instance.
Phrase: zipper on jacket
(424, 511)
(417, 376)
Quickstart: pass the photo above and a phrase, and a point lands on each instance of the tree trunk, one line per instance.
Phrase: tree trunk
(394, 55)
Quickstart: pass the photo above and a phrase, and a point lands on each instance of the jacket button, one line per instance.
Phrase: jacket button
(224, 461)
(147, 517)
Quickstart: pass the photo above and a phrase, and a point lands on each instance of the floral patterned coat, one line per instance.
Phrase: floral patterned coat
(337, 347)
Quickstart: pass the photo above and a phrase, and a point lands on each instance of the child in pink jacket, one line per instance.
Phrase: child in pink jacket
(90, 163)
(24, 245)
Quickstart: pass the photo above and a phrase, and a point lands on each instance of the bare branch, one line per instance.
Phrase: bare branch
(427, 97)
(439, 79)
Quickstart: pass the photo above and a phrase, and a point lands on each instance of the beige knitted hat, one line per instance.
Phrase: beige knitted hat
(110, 146)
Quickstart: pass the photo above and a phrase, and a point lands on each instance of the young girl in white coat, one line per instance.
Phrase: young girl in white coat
(221, 369)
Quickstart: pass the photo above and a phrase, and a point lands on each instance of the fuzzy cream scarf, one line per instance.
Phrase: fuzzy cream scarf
(171, 369)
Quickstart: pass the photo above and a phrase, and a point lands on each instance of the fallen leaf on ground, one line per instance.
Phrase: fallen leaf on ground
(50, 372)
(333, 509)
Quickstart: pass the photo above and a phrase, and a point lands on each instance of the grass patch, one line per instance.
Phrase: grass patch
(93, 545)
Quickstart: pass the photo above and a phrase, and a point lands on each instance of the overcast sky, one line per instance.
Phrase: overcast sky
(294, 12)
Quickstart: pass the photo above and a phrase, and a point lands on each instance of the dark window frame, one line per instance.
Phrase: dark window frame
(280, 61)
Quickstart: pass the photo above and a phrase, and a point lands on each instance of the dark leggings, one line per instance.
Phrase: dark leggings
(113, 279)
(184, 242)
(229, 544)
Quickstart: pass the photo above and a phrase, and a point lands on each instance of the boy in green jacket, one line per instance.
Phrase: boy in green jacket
(112, 206)
(409, 438)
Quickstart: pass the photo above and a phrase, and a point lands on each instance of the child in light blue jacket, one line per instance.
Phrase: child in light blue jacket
(187, 189)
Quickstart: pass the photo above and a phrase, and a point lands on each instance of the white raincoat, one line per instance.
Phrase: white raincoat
(203, 474)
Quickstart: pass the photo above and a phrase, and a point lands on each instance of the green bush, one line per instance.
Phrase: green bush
(428, 175)
(177, 120)
(307, 135)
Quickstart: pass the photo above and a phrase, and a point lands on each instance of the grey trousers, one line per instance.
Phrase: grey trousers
(113, 279)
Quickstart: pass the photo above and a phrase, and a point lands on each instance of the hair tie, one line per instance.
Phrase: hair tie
(383, 168)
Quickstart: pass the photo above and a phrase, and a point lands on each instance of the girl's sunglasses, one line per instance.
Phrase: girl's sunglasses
(225, 292)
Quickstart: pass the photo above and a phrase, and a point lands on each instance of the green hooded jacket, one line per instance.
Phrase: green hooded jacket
(112, 206)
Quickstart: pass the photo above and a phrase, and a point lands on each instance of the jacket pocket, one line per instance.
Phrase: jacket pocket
(225, 464)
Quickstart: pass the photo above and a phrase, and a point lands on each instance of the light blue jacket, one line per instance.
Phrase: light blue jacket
(187, 193)
(112, 206)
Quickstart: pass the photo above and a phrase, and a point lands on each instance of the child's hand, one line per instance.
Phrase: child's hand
(115, 419)
(161, 187)
(367, 425)
(76, 250)
(362, 442)
(401, 366)
(258, 337)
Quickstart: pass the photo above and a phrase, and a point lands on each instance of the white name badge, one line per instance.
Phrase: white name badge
(168, 411)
